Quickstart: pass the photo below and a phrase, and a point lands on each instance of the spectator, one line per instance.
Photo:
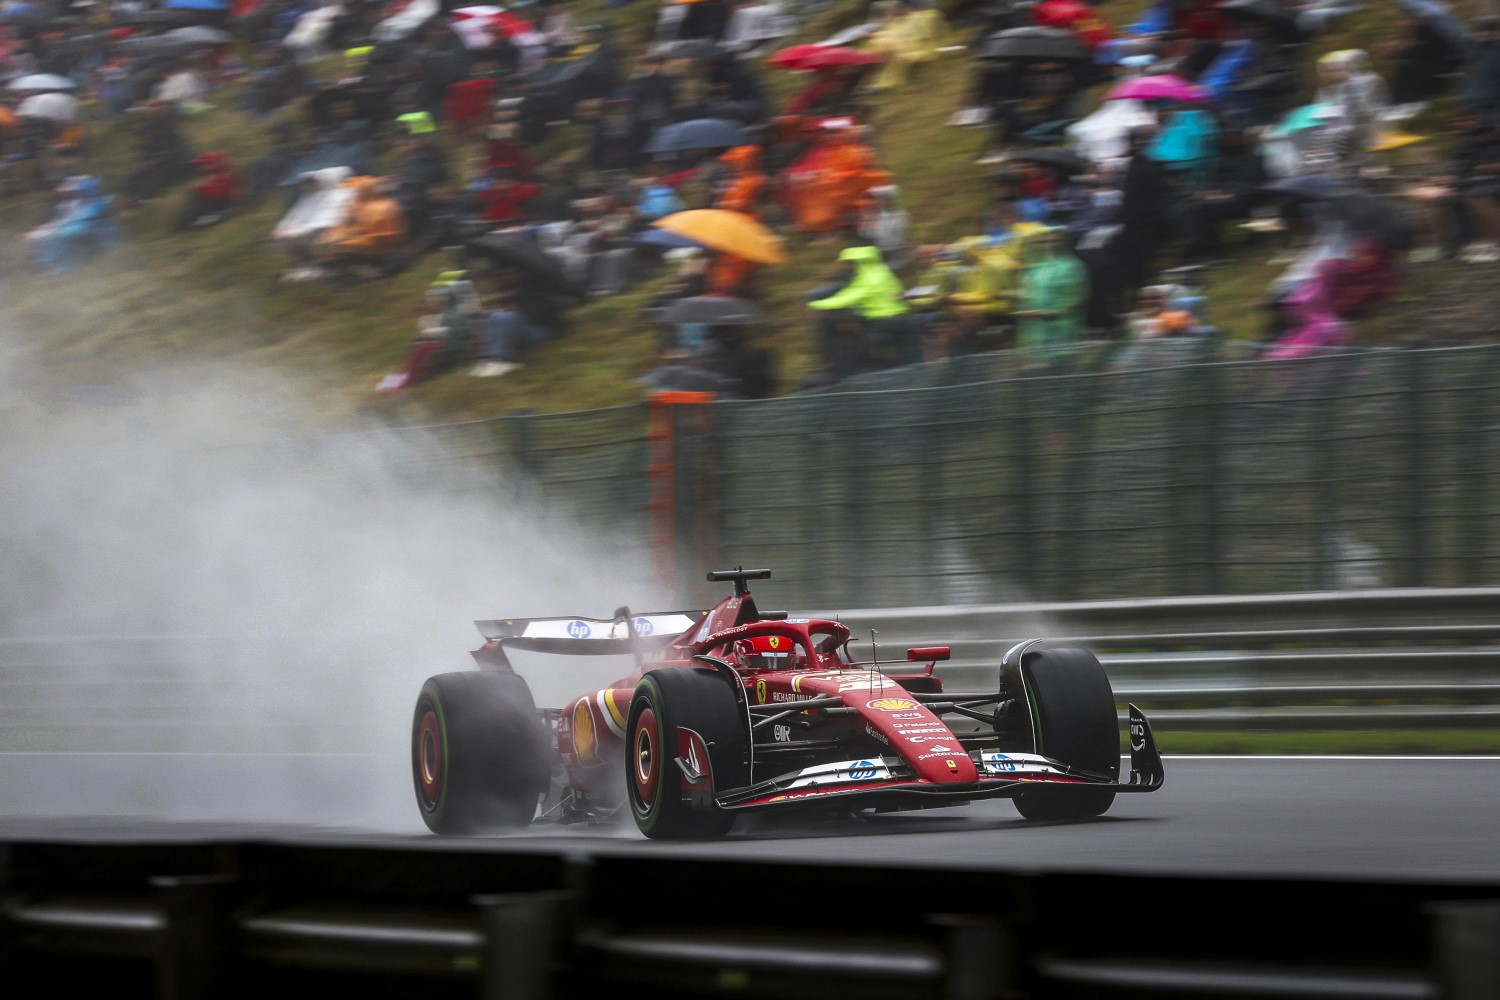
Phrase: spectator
(216, 192)
(746, 182)
(1423, 60)
(828, 187)
(163, 156)
(80, 220)
(524, 312)
(1482, 83)
(865, 307)
(367, 242)
(323, 203)
(1054, 291)
(885, 225)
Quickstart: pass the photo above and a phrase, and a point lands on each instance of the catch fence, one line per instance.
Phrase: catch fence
(1146, 471)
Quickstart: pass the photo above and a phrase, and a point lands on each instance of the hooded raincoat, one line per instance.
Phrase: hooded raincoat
(874, 292)
(1055, 287)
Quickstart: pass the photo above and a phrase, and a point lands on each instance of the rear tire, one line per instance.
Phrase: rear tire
(478, 753)
(664, 701)
(1073, 707)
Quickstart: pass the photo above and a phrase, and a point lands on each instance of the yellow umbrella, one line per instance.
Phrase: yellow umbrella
(1386, 141)
(729, 232)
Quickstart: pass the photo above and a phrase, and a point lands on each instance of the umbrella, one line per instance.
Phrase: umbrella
(1034, 44)
(1274, 14)
(1312, 186)
(686, 378)
(665, 240)
(712, 310)
(700, 133)
(53, 107)
(1385, 141)
(478, 26)
(1054, 156)
(40, 83)
(156, 45)
(196, 5)
(1164, 87)
(1441, 17)
(1374, 216)
(158, 18)
(811, 58)
(688, 48)
(726, 231)
(517, 251)
(201, 34)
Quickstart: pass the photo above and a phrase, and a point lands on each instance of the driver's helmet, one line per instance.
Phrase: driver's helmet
(769, 652)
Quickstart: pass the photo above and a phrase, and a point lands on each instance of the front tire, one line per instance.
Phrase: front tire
(664, 702)
(1075, 723)
(478, 753)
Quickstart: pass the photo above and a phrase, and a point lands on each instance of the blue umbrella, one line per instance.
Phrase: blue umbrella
(667, 241)
(196, 5)
(700, 133)
(1442, 17)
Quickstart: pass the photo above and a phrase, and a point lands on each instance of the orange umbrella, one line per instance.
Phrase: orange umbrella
(730, 232)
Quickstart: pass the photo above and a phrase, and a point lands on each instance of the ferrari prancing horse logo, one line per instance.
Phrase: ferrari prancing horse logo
(774, 641)
(760, 692)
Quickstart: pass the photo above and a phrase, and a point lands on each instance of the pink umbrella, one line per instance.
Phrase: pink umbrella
(1159, 88)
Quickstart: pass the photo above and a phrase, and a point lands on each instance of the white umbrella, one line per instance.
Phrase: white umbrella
(53, 107)
(38, 83)
(201, 34)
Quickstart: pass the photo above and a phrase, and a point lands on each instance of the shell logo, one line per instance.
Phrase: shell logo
(891, 705)
(585, 739)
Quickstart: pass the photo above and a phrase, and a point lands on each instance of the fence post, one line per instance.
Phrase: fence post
(1211, 459)
(1414, 564)
(523, 942)
(191, 951)
(1024, 483)
(1466, 948)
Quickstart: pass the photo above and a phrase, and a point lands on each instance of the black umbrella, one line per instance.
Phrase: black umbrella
(700, 133)
(1056, 157)
(687, 378)
(1274, 14)
(688, 48)
(712, 310)
(1375, 216)
(156, 45)
(1311, 186)
(159, 19)
(517, 251)
(1034, 44)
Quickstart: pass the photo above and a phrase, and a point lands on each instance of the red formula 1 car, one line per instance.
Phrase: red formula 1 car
(734, 710)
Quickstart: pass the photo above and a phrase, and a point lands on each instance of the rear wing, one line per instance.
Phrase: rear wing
(625, 633)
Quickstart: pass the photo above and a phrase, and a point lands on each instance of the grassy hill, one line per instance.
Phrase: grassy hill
(212, 298)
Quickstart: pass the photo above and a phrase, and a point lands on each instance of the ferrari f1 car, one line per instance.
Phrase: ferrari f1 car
(736, 710)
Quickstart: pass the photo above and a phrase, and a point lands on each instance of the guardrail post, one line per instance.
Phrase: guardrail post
(523, 943)
(191, 952)
(1466, 948)
(981, 957)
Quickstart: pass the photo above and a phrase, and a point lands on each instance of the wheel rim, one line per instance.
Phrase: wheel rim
(645, 761)
(429, 758)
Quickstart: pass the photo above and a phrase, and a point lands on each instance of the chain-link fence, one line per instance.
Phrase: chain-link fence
(1140, 474)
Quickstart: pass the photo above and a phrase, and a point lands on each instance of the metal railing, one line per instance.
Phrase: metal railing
(180, 921)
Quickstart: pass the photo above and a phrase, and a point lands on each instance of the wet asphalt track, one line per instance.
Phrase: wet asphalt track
(1430, 818)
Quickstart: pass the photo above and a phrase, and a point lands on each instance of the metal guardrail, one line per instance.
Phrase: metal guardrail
(1376, 659)
(187, 920)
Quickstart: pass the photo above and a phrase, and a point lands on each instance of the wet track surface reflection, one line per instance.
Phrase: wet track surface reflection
(1386, 817)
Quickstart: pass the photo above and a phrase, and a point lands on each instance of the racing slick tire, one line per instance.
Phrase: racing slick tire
(1073, 707)
(478, 752)
(664, 702)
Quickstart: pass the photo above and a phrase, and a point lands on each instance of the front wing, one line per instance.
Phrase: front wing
(890, 781)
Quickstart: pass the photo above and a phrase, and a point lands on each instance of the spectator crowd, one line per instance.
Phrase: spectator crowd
(531, 162)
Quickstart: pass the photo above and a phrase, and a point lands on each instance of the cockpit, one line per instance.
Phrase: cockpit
(770, 652)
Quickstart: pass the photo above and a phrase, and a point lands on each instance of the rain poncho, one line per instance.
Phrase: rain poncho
(325, 205)
(907, 40)
(375, 223)
(874, 292)
(1055, 282)
(743, 192)
(1189, 141)
(82, 215)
